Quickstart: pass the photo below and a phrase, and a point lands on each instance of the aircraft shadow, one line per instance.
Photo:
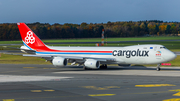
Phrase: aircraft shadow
(141, 68)
(80, 68)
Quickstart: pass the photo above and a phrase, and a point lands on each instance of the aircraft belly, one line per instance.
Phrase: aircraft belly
(140, 61)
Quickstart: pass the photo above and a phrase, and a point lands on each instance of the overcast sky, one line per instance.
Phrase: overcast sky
(89, 11)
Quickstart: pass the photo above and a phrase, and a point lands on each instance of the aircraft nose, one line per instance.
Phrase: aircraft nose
(170, 56)
(173, 56)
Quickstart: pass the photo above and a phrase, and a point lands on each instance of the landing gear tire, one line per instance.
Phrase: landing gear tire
(84, 67)
(158, 67)
(103, 66)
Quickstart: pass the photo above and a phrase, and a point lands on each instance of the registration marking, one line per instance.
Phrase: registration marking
(154, 85)
(101, 94)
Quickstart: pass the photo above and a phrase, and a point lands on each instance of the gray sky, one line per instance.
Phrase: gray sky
(89, 11)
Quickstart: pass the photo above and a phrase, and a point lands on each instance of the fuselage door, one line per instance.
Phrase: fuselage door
(155, 48)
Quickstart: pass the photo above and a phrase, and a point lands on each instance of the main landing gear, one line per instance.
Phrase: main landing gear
(104, 66)
(84, 67)
(158, 67)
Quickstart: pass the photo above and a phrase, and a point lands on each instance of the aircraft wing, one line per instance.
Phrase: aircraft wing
(50, 57)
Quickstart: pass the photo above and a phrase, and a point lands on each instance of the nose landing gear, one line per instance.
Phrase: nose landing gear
(158, 67)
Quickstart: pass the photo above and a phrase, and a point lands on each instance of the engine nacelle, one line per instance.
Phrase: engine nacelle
(125, 65)
(93, 64)
(59, 61)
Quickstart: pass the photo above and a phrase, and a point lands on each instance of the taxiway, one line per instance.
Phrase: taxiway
(48, 83)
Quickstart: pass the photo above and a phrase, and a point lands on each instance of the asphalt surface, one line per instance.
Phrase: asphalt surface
(48, 83)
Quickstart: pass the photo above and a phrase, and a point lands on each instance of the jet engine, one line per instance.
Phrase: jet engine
(59, 61)
(125, 65)
(93, 64)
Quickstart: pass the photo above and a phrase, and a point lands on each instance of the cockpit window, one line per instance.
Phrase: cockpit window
(162, 47)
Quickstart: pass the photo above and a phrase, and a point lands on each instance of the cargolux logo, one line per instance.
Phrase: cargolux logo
(158, 53)
(29, 38)
(130, 53)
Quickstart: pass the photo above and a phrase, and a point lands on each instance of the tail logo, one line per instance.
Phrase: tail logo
(29, 38)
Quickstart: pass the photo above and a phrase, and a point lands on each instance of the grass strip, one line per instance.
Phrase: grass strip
(99, 39)
(18, 59)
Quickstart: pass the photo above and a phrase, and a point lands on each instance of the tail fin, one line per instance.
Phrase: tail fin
(29, 38)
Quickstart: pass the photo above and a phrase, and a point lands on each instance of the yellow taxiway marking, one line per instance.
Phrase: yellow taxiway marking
(50, 90)
(29, 67)
(101, 94)
(94, 87)
(53, 68)
(36, 90)
(45, 68)
(8, 100)
(109, 87)
(177, 94)
(176, 90)
(154, 85)
(100, 88)
(146, 92)
(173, 99)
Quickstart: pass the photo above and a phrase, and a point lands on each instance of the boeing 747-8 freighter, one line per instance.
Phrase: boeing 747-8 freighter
(93, 57)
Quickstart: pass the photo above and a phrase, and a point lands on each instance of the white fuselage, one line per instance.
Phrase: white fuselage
(137, 54)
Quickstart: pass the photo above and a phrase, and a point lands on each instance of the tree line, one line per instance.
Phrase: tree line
(9, 31)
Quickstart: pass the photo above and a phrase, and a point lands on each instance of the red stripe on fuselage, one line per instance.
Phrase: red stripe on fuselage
(46, 49)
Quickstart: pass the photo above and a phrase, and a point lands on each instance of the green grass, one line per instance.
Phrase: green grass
(18, 59)
(175, 62)
(113, 39)
(99, 39)
(171, 45)
(11, 42)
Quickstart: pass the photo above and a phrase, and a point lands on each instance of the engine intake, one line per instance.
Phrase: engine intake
(93, 64)
(59, 61)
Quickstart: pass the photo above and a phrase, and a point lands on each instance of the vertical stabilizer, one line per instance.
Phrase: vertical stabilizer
(29, 38)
